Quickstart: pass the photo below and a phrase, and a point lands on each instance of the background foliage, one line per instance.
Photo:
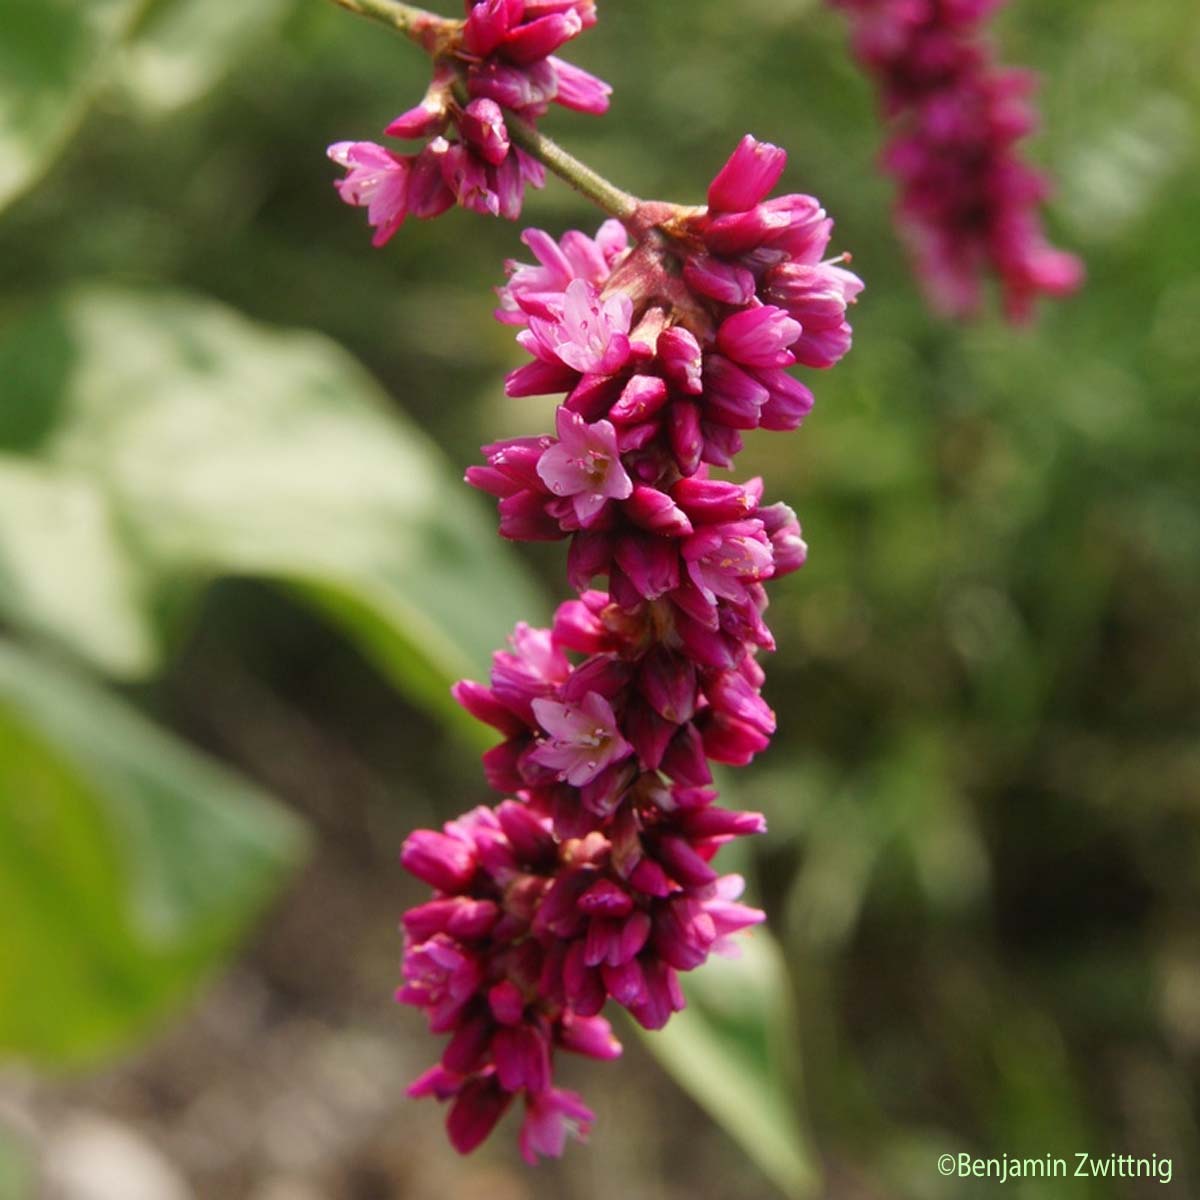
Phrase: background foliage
(982, 872)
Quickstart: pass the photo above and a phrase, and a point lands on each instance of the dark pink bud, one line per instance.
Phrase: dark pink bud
(420, 122)
(789, 401)
(465, 174)
(656, 512)
(683, 863)
(737, 233)
(482, 125)
(460, 917)
(487, 23)
(475, 1113)
(759, 337)
(648, 733)
(522, 1059)
(501, 766)
(605, 899)
(649, 878)
(732, 742)
(683, 429)
(603, 674)
(722, 443)
(436, 1082)
(787, 543)
(582, 984)
(681, 359)
(732, 694)
(752, 171)
(625, 984)
(668, 682)
(642, 396)
(822, 348)
(428, 195)
(559, 911)
(719, 280)
(531, 841)
(732, 396)
(540, 379)
(443, 862)
(684, 761)
(592, 1036)
(465, 1050)
(523, 518)
(664, 996)
(708, 501)
(537, 39)
(634, 935)
(506, 1002)
(579, 90)
(684, 934)
(651, 563)
(482, 704)
(577, 627)
(713, 822)
(602, 795)
(590, 555)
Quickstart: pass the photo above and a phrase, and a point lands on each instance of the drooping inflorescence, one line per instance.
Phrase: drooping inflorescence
(500, 58)
(968, 204)
(670, 334)
(596, 881)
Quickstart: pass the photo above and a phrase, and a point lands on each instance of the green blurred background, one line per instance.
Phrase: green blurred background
(237, 571)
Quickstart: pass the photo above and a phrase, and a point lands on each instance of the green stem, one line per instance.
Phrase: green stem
(568, 168)
(425, 28)
(435, 35)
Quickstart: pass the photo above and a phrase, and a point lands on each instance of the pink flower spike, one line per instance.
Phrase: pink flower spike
(584, 464)
(550, 1117)
(376, 180)
(584, 739)
(752, 171)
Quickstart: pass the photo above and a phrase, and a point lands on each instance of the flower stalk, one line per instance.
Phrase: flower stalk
(420, 26)
(587, 182)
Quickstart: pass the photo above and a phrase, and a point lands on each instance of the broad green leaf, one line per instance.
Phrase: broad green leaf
(47, 518)
(734, 1049)
(128, 864)
(185, 46)
(52, 55)
(222, 447)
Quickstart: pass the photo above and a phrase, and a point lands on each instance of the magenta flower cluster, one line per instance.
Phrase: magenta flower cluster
(968, 204)
(593, 880)
(500, 58)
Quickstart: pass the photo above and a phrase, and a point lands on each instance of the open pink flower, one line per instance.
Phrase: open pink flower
(590, 335)
(584, 464)
(377, 180)
(584, 738)
(550, 1117)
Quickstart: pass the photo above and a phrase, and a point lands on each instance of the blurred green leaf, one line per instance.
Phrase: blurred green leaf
(51, 56)
(48, 518)
(186, 46)
(204, 445)
(734, 1049)
(128, 864)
